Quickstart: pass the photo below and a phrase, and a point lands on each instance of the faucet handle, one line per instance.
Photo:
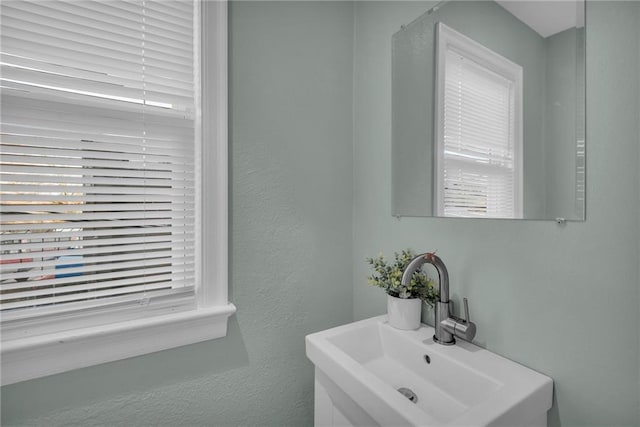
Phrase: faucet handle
(465, 329)
(466, 310)
(461, 328)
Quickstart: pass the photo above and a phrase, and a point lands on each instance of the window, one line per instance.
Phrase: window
(113, 187)
(478, 130)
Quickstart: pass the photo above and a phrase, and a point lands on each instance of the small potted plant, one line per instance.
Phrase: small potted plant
(403, 302)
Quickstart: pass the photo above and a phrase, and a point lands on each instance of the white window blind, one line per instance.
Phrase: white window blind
(480, 140)
(99, 142)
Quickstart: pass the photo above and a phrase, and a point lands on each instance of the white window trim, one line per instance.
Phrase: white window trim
(54, 349)
(446, 36)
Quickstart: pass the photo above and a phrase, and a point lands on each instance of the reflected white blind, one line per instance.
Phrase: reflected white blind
(479, 159)
(98, 148)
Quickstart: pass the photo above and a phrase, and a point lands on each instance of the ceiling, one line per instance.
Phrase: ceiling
(546, 17)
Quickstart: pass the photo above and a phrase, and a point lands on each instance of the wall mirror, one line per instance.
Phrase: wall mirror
(489, 111)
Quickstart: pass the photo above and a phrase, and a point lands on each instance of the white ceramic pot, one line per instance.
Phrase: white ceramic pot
(404, 313)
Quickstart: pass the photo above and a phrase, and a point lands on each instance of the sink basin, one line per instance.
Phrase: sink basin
(361, 366)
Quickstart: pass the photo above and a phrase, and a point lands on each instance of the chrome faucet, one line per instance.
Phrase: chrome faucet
(447, 326)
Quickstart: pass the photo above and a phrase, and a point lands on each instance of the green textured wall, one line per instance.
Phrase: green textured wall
(291, 174)
(637, 12)
(560, 299)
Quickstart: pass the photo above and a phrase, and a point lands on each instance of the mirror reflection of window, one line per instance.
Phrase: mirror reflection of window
(478, 130)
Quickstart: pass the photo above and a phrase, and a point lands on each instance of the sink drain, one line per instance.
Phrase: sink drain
(408, 394)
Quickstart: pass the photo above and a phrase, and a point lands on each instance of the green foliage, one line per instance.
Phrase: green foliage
(389, 277)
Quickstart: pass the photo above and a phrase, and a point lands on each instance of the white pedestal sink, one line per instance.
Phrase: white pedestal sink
(361, 366)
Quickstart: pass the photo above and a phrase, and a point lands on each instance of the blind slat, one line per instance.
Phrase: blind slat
(169, 238)
(71, 231)
(93, 164)
(138, 191)
(113, 292)
(33, 147)
(44, 217)
(28, 264)
(133, 249)
(98, 279)
(84, 267)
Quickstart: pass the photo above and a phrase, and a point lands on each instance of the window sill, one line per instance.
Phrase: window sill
(28, 358)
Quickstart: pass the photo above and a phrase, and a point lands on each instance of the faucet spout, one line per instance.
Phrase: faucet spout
(443, 274)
